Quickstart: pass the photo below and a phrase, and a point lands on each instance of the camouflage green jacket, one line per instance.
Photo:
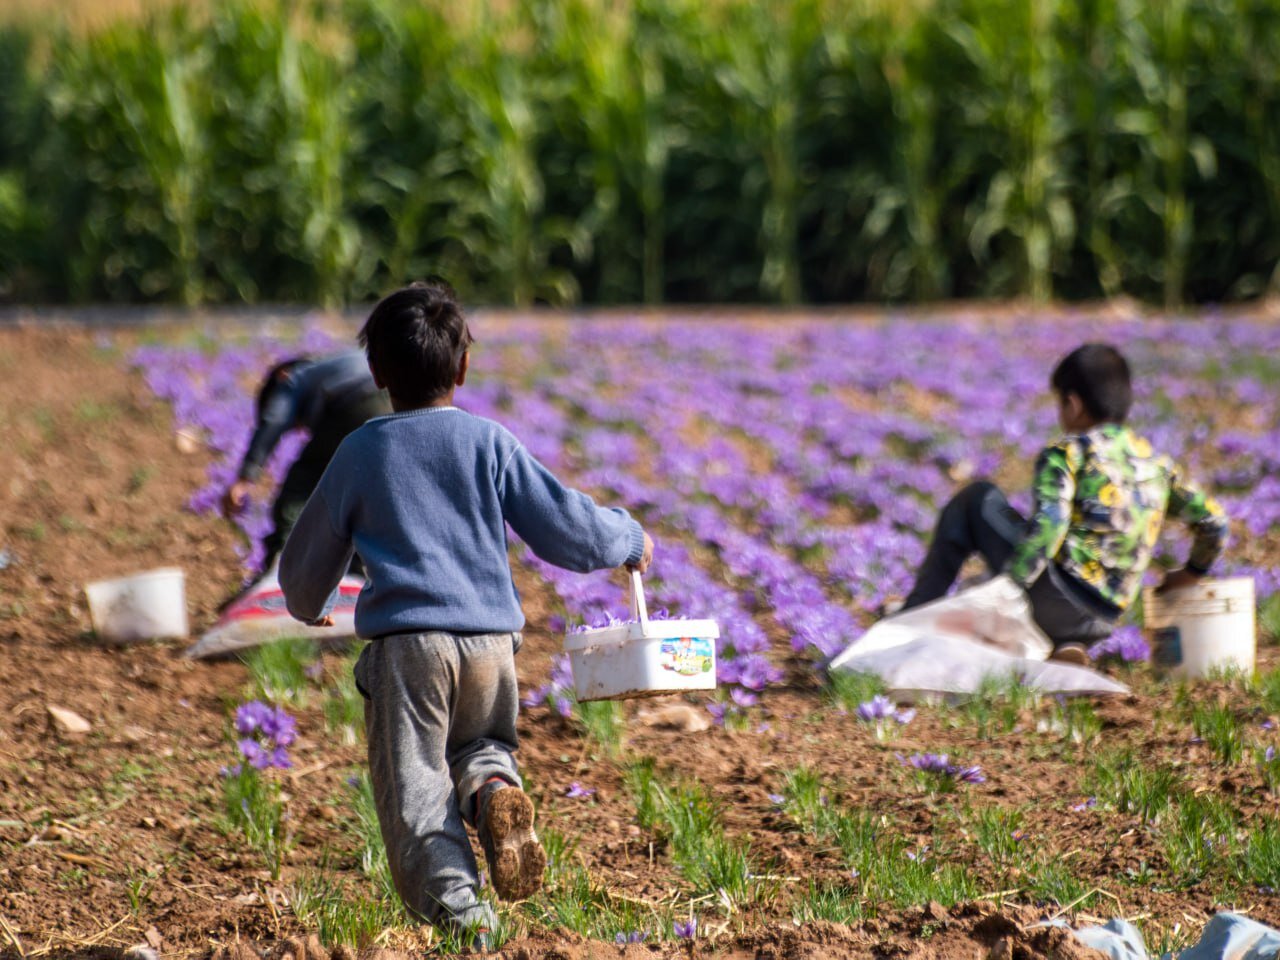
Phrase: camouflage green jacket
(1100, 499)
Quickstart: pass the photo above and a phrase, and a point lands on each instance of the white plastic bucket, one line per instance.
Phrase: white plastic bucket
(1201, 628)
(145, 606)
(643, 659)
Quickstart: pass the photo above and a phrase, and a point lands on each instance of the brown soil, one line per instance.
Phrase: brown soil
(109, 839)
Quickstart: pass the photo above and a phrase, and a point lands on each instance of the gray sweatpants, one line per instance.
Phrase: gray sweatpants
(440, 715)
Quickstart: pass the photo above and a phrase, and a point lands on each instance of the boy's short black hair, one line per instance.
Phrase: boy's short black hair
(276, 376)
(1099, 375)
(415, 339)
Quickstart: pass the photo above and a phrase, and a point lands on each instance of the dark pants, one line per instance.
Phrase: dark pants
(304, 476)
(980, 520)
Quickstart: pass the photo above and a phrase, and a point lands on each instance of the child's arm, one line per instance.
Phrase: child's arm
(312, 564)
(564, 526)
(1208, 525)
(1054, 488)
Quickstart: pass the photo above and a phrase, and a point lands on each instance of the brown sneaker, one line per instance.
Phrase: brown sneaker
(1075, 654)
(516, 858)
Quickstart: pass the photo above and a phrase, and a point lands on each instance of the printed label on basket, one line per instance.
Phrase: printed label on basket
(687, 656)
(1168, 647)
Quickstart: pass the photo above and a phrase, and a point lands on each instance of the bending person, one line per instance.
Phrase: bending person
(330, 397)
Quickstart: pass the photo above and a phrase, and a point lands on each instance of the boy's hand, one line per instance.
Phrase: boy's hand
(237, 495)
(646, 557)
(1177, 579)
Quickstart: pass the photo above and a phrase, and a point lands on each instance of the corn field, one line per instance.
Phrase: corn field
(567, 151)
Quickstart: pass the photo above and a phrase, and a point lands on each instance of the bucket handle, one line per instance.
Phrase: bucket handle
(639, 610)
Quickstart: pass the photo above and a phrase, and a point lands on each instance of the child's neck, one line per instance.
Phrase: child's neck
(443, 401)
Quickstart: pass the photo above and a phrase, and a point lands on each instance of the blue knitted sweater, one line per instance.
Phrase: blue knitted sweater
(423, 497)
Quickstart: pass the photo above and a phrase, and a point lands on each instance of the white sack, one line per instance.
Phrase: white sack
(931, 667)
(259, 616)
(950, 646)
(996, 613)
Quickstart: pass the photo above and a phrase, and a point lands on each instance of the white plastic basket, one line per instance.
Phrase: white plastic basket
(646, 658)
(145, 606)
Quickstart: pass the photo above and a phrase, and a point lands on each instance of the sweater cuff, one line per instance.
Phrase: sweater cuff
(1192, 567)
(636, 534)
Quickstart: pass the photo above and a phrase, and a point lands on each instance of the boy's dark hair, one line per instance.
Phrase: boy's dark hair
(1099, 375)
(276, 376)
(415, 339)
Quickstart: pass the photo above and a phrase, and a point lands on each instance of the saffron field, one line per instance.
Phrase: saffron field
(789, 469)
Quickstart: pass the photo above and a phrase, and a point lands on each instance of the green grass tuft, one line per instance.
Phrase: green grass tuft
(1218, 726)
(1268, 687)
(1268, 767)
(998, 706)
(277, 671)
(253, 806)
(373, 853)
(1052, 881)
(1122, 781)
(847, 689)
(998, 832)
(686, 817)
(1259, 864)
(339, 915)
(830, 902)
(602, 722)
(906, 875)
(1077, 720)
(1199, 836)
(573, 900)
(804, 800)
(1269, 617)
(343, 704)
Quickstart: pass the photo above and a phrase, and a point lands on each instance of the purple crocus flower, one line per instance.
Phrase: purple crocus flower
(940, 767)
(266, 733)
(279, 727)
(577, 790)
(743, 698)
(1126, 644)
(250, 716)
(687, 930)
(879, 711)
(936, 763)
(280, 758)
(877, 708)
(258, 756)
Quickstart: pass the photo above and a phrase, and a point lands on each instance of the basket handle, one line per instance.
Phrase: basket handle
(639, 609)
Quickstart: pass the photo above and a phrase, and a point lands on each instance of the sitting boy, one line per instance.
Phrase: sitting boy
(423, 495)
(1100, 498)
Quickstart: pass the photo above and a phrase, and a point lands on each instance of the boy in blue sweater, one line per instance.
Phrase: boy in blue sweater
(423, 496)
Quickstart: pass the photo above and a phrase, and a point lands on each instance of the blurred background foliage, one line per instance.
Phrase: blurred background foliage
(604, 151)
